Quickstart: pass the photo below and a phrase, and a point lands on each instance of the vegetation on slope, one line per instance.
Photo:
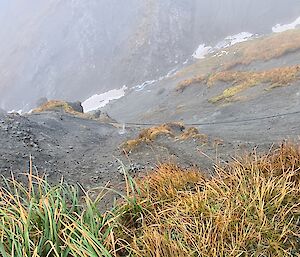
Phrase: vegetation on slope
(259, 49)
(265, 48)
(219, 68)
(183, 85)
(250, 207)
(242, 80)
(56, 105)
(175, 130)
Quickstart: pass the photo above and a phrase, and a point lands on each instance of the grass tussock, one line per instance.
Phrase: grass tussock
(193, 133)
(175, 130)
(56, 105)
(148, 135)
(250, 207)
(242, 80)
(42, 220)
(183, 85)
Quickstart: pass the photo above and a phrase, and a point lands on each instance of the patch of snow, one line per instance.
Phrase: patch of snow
(144, 85)
(170, 73)
(14, 111)
(185, 62)
(98, 101)
(281, 28)
(235, 39)
(151, 82)
(202, 51)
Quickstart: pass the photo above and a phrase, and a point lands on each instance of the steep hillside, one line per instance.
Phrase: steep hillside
(248, 80)
(73, 49)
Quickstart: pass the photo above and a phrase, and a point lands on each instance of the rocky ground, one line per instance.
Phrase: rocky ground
(82, 151)
(88, 152)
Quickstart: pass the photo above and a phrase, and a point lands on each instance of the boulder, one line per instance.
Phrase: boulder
(76, 106)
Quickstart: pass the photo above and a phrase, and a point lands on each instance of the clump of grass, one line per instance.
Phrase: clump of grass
(152, 133)
(55, 105)
(192, 133)
(42, 220)
(248, 208)
(242, 80)
(148, 135)
(183, 85)
(174, 130)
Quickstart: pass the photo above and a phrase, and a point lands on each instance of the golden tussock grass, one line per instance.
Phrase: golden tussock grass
(56, 105)
(183, 85)
(249, 207)
(175, 130)
(148, 135)
(242, 80)
(193, 133)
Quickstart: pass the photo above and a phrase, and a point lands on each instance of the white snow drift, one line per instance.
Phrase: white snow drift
(97, 101)
(281, 28)
(203, 50)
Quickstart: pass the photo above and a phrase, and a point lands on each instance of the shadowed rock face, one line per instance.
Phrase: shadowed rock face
(71, 49)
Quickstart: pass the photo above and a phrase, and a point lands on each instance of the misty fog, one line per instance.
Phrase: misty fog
(73, 49)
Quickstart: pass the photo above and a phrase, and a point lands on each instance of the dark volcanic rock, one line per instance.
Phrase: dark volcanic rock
(76, 106)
